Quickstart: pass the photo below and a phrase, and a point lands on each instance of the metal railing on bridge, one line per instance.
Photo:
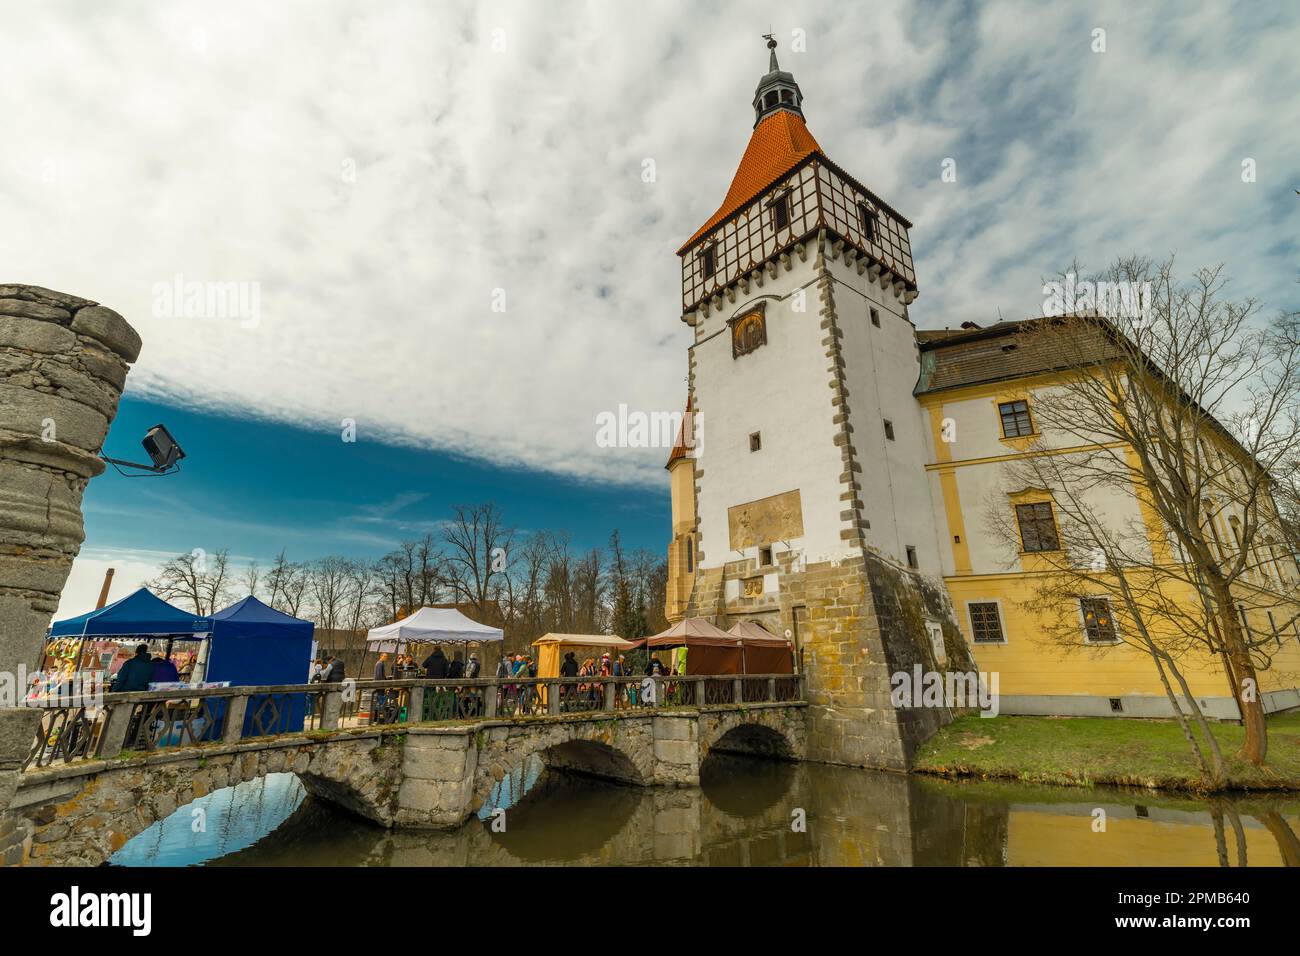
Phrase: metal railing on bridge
(108, 724)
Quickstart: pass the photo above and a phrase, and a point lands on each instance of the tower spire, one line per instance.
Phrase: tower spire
(777, 90)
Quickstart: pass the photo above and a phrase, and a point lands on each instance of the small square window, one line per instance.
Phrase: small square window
(710, 261)
(986, 622)
(1016, 422)
(755, 441)
(875, 318)
(1098, 622)
(765, 557)
(889, 429)
(912, 562)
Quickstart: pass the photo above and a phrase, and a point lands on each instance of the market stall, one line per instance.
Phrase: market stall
(411, 635)
(763, 652)
(699, 647)
(430, 625)
(100, 641)
(551, 649)
(254, 644)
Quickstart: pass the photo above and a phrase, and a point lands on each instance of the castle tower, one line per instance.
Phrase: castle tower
(808, 510)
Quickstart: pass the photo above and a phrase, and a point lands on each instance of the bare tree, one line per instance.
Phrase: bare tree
(328, 581)
(252, 577)
(196, 578)
(478, 551)
(1192, 404)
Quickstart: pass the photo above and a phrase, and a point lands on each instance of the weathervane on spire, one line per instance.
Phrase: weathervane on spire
(770, 37)
(777, 91)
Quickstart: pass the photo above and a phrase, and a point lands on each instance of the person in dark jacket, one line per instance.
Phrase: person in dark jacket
(164, 671)
(136, 673)
(333, 671)
(570, 666)
(435, 665)
(457, 668)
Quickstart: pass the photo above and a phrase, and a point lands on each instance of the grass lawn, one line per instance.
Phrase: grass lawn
(1082, 751)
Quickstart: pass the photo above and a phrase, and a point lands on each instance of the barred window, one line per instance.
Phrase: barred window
(986, 623)
(1098, 622)
(1016, 422)
(710, 257)
(869, 220)
(781, 212)
(1037, 527)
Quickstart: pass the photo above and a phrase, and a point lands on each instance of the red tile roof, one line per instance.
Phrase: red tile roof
(779, 143)
(679, 449)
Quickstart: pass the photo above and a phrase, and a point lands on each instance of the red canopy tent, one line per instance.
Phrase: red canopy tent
(709, 649)
(763, 653)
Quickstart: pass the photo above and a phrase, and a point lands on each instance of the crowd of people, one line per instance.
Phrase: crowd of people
(521, 695)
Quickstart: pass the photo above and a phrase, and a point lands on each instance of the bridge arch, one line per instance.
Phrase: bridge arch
(86, 817)
(759, 732)
(621, 751)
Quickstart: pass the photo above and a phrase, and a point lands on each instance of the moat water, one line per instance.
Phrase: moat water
(745, 813)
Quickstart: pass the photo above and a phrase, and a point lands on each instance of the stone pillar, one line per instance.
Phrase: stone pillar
(63, 362)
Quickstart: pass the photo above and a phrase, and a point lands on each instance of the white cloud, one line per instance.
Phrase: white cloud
(209, 141)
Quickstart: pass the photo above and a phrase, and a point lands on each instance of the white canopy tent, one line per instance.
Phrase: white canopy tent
(430, 625)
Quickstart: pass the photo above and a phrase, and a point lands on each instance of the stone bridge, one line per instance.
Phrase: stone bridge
(398, 776)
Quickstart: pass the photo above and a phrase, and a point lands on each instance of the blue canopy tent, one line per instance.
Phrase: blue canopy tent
(256, 644)
(141, 614)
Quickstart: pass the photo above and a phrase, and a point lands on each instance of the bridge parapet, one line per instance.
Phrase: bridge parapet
(81, 799)
(104, 725)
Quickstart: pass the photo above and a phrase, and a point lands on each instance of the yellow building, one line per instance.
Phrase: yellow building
(979, 387)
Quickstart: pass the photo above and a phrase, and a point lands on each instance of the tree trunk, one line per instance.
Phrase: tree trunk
(1255, 747)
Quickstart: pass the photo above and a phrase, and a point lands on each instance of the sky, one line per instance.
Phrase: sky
(438, 223)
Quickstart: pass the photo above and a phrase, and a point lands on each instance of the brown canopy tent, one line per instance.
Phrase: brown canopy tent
(709, 649)
(763, 653)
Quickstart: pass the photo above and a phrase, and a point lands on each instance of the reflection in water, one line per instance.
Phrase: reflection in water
(215, 825)
(513, 786)
(741, 815)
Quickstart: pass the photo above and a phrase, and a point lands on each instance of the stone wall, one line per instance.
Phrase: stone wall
(63, 363)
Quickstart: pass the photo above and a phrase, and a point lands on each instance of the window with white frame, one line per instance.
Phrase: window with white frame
(986, 622)
(1098, 621)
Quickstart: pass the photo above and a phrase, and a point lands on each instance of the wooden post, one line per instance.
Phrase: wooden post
(490, 699)
(771, 689)
(738, 690)
(414, 705)
(610, 689)
(553, 698)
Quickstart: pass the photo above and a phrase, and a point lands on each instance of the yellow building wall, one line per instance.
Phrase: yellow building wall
(681, 562)
(1034, 661)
